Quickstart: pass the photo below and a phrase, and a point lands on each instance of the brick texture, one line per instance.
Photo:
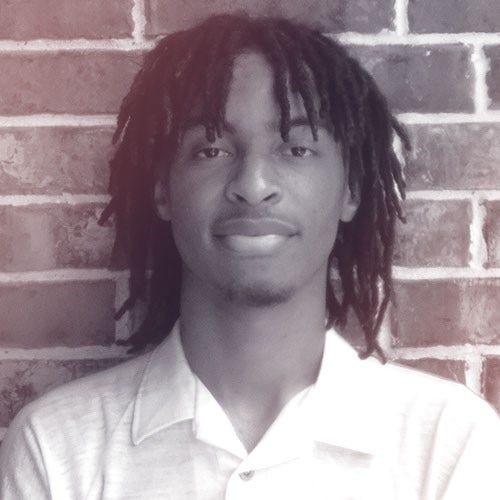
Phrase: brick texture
(23, 381)
(446, 313)
(65, 83)
(27, 19)
(412, 77)
(54, 160)
(446, 368)
(493, 76)
(491, 380)
(454, 156)
(59, 314)
(453, 16)
(326, 15)
(491, 232)
(36, 238)
(436, 234)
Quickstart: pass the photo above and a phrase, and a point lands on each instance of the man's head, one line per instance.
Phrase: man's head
(254, 217)
(270, 153)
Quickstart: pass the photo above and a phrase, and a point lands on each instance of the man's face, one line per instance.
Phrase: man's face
(255, 218)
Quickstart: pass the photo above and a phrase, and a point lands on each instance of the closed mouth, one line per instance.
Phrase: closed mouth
(254, 227)
(253, 237)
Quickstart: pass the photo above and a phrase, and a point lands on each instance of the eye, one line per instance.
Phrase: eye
(208, 153)
(299, 151)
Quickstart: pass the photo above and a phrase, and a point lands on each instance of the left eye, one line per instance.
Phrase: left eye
(299, 151)
(211, 153)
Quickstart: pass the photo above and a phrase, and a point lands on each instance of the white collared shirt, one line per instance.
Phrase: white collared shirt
(150, 429)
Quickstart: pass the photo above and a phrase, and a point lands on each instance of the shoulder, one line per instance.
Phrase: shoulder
(413, 391)
(81, 415)
(445, 431)
(439, 419)
(88, 405)
(108, 391)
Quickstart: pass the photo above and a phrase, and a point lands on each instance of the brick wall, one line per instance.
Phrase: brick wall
(66, 65)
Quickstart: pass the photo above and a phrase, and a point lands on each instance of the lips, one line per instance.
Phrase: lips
(253, 237)
(254, 227)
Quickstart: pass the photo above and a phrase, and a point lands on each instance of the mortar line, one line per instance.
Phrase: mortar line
(394, 38)
(63, 353)
(71, 120)
(443, 273)
(21, 200)
(486, 116)
(58, 120)
(473, 371)
(59, 276)
(99, 274)
(481, 68)
(457, 352)
(385, 334)
(74, 45)
(348, 38)
(139, 19)
(401, 23)
(453, 194)
(478, 248)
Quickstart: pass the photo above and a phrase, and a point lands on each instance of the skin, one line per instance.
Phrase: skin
(254, 220)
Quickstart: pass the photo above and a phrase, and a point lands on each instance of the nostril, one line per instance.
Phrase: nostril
(269, 197)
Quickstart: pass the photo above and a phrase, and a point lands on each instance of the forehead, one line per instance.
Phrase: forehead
(251, 95)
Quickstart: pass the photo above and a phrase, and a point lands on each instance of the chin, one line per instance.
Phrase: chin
(257, 295)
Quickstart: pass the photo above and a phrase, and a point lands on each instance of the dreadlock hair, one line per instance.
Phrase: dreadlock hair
(195, 66)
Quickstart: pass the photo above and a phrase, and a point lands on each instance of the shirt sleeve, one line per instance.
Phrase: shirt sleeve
(22, 470)
(476, 474)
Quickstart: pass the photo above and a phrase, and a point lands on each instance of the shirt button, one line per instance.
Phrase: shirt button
(247, 475)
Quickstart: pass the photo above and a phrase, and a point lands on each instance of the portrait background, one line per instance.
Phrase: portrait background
(65, 66)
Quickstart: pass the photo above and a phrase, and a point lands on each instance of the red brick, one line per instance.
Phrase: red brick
(491, 232)
(454, 156)
(54, 160)
(453, 16)
(57, 314)
(412, 76)
(365, 16)
(493, 75)
(23, 381)
(40, 237)
(491, 381)
(446, 368)
(27, 19)
(94, 82)
(436, 234)
(443, 312)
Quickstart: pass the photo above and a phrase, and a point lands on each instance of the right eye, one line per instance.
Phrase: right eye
(208, 153)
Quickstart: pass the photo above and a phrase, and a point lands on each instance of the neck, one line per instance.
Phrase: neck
(253, 359)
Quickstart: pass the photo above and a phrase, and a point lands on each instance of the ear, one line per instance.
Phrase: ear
(350, 204)
(162, 200)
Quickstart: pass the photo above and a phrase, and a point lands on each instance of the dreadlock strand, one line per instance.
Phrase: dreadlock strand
(277, 59)
(302, 79)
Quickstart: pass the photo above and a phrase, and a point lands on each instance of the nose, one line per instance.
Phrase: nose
(254, 182)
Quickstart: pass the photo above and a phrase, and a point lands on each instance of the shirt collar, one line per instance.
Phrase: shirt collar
(342, 407)
(166, 393)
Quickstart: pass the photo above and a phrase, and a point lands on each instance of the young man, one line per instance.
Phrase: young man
(253, 156)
